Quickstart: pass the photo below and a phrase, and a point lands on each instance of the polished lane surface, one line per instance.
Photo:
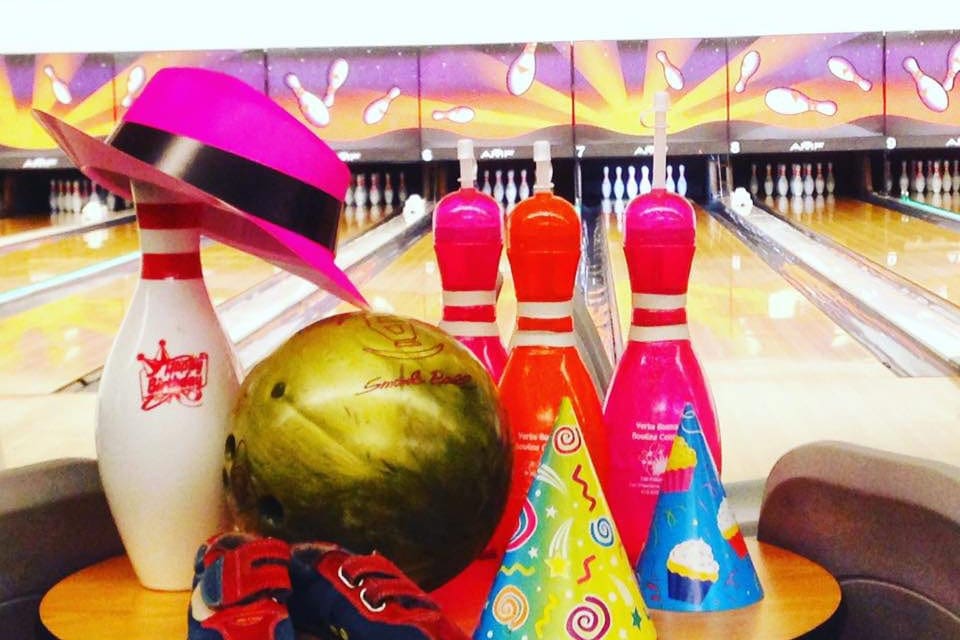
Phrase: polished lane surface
(922, 252)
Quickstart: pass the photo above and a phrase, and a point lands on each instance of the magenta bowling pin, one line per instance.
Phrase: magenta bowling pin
(468, 240)
(658, 372)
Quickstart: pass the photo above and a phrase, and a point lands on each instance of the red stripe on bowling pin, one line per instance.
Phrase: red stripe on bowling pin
(170, 241)
(659, 317)
(470, 314)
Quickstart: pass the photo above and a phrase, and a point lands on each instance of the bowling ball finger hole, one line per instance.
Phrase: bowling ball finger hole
(271, 511)
(225, 477)
(230, 447)
(278, 390)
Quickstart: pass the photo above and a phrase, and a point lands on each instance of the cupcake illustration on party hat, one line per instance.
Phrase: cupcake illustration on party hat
(565, 573)
(695, 558)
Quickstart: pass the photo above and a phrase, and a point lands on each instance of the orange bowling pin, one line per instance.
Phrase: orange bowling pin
(544, 365)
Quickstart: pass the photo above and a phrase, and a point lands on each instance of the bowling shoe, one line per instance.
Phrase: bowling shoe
(338, 595)
(240, 587)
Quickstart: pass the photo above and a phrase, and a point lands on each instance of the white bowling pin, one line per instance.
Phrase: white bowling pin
(953, 67)
(310, 105)
(671, 74)
(844, 69)
(53, 200)
(768, 182)
(348, 196)
(374, 193)
(956, 176)
(76, 202)
(796, 182)
(524, 191)
(887, 178)
(402, 190)
(460, 114)
(819, 183)
(754, 182)
(163, 408)
(632, 187)
(947, 178)
(387, 190)
(618, 186)
(487, 189)
(682, 181)
(748, 67)
(936, 182)
(511, 190)
(904, 179)
(831, 181)
(360, 192)
(671, 185)
(605, 187)
(498, 190)
(808, 181)
(522, 70)
(931, 93)
(337, 74)
(135, 80)
(645, 186)
(791, 102)
(62, 204)
(377, 109)
(60, 89)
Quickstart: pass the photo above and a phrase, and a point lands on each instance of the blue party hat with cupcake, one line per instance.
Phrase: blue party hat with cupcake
(695, 558)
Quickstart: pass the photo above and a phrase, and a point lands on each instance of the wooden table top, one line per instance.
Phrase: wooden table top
(105, 601)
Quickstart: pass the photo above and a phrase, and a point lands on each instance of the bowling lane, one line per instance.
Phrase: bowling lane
(50, 346)
(21, 224)
(920, 251)
(947, 202)
(742, 314)
(57, 256)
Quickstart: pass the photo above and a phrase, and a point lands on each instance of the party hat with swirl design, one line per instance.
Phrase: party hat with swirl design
(565, 573)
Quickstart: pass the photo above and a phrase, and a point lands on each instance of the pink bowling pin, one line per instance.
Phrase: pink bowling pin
(468, 240)
(658, 372)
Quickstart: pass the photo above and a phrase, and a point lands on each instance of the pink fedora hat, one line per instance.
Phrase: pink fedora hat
(272, 187)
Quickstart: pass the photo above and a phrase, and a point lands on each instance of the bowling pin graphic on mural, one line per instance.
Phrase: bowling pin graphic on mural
(60, 89)
(658, 373)
(336, 75)
(311, 106)
(523, 70)
(844, 69)
(931, 93)
(135, 81)
(671, 74)
(748, 67)
(953, 67)
(377, 110)
(168, 385)
(792, 102)
(460, 114)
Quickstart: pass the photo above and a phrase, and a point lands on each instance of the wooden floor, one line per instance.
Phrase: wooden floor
(781, 372)
(920, 251)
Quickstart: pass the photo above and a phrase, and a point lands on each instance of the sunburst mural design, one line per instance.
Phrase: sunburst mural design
(614, 84)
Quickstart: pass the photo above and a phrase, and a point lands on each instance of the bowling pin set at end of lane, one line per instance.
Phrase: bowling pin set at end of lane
(614, 189)
(804, 180)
